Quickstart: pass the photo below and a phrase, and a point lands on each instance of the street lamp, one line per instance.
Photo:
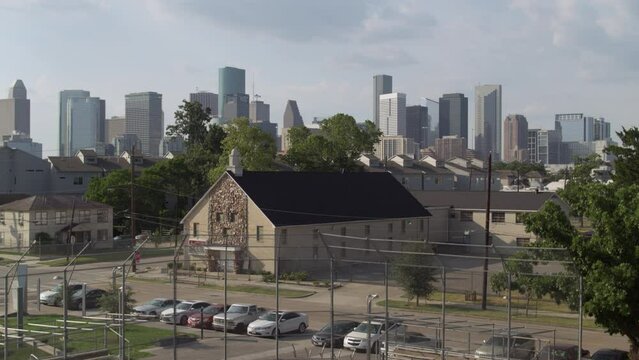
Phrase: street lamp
(369, 301)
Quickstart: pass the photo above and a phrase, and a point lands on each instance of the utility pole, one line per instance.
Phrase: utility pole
(487, 240)
(132, 207)
(70, 232)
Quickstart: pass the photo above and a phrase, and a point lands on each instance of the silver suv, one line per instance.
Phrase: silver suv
(522, 346)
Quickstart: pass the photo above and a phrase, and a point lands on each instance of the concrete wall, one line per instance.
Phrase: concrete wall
(22, 173)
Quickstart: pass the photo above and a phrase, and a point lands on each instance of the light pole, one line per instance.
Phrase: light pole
(369, 301)
(115, 269)
(6, 298)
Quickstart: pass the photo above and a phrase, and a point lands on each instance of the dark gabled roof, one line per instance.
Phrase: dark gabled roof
(104, 163)
(52, 202)
(418, 167)
(302, 198)
(7, 198)
(476, 200)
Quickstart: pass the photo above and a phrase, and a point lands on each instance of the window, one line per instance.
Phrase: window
(1, 217)
(219, 217)
(465, 216)
(343, 249)
(523, 241)
(60, 217)
(367, 230)
(40, 217)
(101, 216)
(20, 219)
(226, 232)
(519, 217)
(283, 236)
(316, 234)
(315, 252)
(390, 227)
(102, 234)
(196, 229)
(438, 179)
(232, 217)
(342, 231)
(78, 180)
(1, 238)
(403, 226)
(259, 232)
(85, 216)
(498, 217)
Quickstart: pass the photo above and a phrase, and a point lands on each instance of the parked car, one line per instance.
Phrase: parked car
(358, 338)
(182, 312)
(408, 341)
(560, 351)
(154, 307)
(610, 354)
(522, 346)
(92, 298)
(53, 297)
(340, 329)
(122, 242)
(238, 316)
(205, 318)
(288, 322)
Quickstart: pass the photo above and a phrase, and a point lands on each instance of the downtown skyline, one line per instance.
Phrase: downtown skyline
(558, 58)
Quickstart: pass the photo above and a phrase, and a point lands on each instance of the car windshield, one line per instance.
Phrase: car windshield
(363, 327)
(57, 288)
(338, 328)
(211, 310)
(238, 309)
(497, 341)
(183, 306)
(156, 302)
(270, 316)
(553, 354)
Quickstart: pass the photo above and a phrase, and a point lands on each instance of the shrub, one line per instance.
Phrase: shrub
(267, 277)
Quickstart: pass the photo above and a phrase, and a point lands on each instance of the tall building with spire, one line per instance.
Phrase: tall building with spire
(291, 118)
(15, 111)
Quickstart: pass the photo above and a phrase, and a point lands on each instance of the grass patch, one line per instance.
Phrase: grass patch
(545, 304)
(470, 310)
(251, 289)
(108, 257)
(140, 337)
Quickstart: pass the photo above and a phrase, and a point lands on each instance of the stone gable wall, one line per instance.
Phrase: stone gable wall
(227, 199)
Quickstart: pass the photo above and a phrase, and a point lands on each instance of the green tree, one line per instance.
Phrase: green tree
(413, 272)
(110, 302)
(627, 156)
(578, 179)
(257, 148)
(336, 147)
(191, 121)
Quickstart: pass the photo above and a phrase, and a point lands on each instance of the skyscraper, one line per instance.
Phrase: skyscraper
(453, 115)
(15, 111)
(433, 120)
(544, 146)
(144, 118)
(259, 111)
(115, 126)
(577, 127)
(81, 121)
(488, 121)
(292, 116)
(237, 105)
(515, 138)
(392, 114)
(382, 84)
(207, 100)
(417, 125)
(231, 81)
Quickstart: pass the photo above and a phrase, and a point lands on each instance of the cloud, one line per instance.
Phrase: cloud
(379, 56)
(302, 21)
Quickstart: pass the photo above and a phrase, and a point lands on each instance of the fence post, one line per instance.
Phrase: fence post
(38, 291)
(443, 313)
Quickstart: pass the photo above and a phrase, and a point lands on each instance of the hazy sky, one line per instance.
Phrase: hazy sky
(551, 56)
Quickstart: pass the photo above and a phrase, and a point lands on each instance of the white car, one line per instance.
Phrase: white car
(53, 297)
(289, 321)
(358, 338)
(182, 312)
(154, 307)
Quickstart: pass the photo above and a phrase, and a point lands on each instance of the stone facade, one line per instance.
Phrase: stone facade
(228, 214)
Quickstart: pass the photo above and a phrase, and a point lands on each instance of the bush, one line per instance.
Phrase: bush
(268, 277)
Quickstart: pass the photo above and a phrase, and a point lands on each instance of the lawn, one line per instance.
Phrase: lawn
(473, 310)
(251, 289)
(92, 337)
(110, 256)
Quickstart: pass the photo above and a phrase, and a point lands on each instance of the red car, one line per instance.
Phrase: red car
(197, 320)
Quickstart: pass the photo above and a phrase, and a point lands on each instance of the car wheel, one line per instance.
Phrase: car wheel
(302, 328)
(374, 348)
(183, 320)
(273, 333)
(241, 328)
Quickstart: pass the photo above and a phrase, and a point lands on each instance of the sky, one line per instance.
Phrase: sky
(550, 56)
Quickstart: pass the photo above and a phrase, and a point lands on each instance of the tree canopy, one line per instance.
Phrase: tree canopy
(336, 147)
(627, 156)
(413, 273)
(191, 121)
(257, 148)
(607, 256)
